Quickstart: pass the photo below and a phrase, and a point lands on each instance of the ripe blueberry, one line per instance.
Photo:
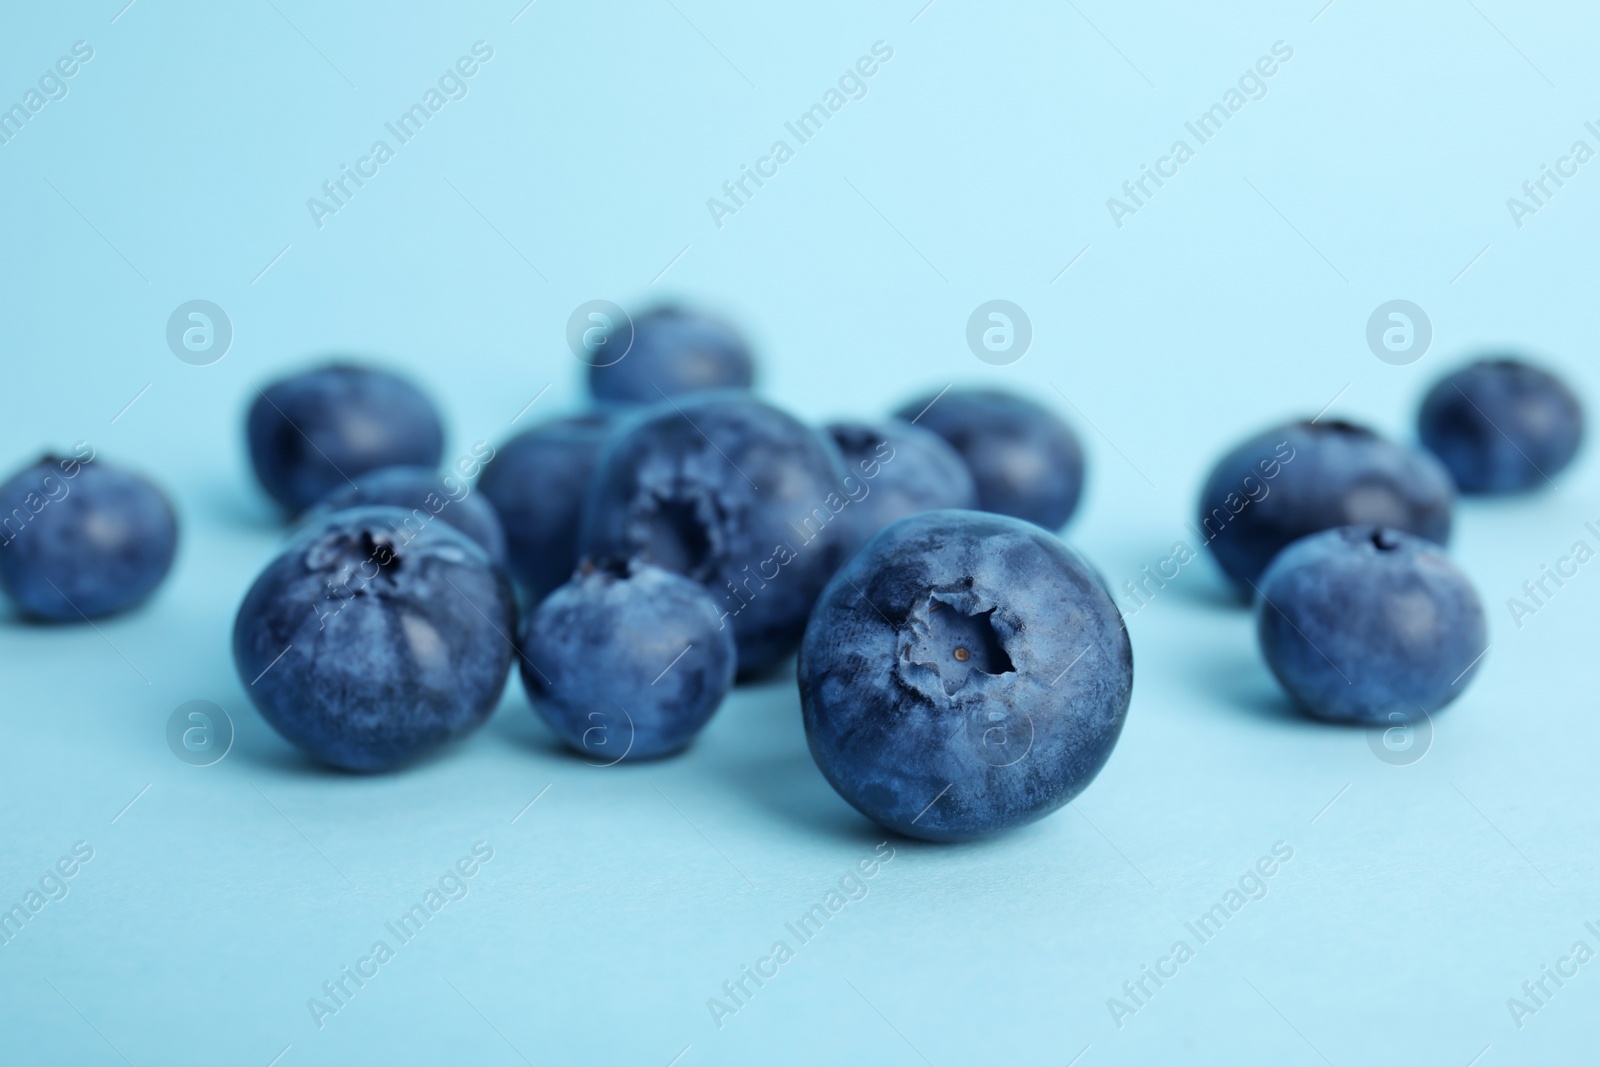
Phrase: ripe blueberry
(1371, 625)
(536, 482)
(627, 661)
(1024, 460)
(964, 673)
(735, 494)
(366, 644)
(316, 430)
(674, 352)
(1501, 425)
(895, 469)
(82, 539)
(1295, 480)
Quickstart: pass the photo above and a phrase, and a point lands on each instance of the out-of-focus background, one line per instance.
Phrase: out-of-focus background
(1430, 878)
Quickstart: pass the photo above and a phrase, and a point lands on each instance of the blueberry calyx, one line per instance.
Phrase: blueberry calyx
(614, 568)
(355, 554)
(1384, 539)
(956, 639)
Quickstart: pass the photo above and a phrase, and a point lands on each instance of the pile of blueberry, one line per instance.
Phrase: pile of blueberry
(961, 670)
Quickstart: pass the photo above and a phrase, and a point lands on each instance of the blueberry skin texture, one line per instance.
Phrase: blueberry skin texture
(536, 483)
(674, 352)
(1501, 426)
(1305, 477)
(1024, 460)
(389, 647)
(937, 746)
(310, 432)
(902, 470)
(82, 539)
(427, 495)
(627, 662)
(1369, 625)
(763, 537)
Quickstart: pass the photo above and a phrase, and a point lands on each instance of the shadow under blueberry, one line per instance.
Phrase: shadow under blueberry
(1208, 588)
(1243, 682)
(238, 505)
(789, 786)
(515, 723)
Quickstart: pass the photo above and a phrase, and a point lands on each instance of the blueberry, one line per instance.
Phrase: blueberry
(317, 430)
(1367, 624)
(734, 494)
(1501, 426)
(1304, 477)
(896, 469)
(964, 673)
(82, 539)
(366, 644)
(536, 483)
(674, 352)
(627, 661)
(1024, 460)
(428, 495)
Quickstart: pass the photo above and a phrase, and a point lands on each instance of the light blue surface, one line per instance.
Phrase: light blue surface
(977, 166)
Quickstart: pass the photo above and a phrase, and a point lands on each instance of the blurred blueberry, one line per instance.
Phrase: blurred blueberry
(316, 430)
(964, 673)
(735, 494)
(674, 352)
(1024, 460)
(1501, 425)
(536, 484)
(1369, 625)
(627, 661)
(428, 495)
(1298, 479)
(79, 538)
(895, 469)
(365, 644)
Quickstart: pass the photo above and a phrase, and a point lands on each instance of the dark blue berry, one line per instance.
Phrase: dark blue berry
(317, 430)
(627, 661)
(674, 352)
(732, 493)
(82, 539)
(1024, 460)
(1366, 624)
(537, 482)
(1298, 479)
(366, 644)
(964, 673)
(1501, 426)
(894, 470)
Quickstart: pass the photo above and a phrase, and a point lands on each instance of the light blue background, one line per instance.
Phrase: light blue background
(978, 166)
